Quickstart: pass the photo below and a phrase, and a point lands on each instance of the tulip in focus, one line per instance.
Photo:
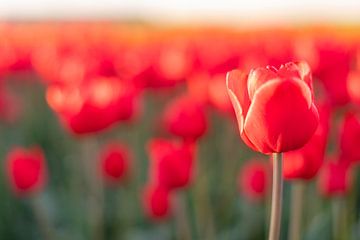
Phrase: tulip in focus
(274, 107)
(26, 170)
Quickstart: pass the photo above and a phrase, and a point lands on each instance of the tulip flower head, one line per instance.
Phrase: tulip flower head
(254, 180)
(26, 170)
(114, 159)
(334, 179)
(350, 137)
(95, 106)
(275, 108)
(172, 163)
(186, 118)
(156, 201)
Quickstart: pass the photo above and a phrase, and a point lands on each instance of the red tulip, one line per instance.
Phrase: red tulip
(305, 162)
(172, 163)
(254, 180)
(26, 170)
(334, 61)
(156, 201)
(198, 87)
(334, 179)
(274, 108)
(114, 160)
(353, 86)
(350, 137)
(94, 107)
(186, 118)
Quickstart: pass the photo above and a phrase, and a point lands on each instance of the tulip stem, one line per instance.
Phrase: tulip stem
(276, 201)
(297, 196)
(95, 190)
(181, 218)
(46, 228)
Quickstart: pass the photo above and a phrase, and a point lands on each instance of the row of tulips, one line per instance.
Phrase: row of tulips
(292, 94)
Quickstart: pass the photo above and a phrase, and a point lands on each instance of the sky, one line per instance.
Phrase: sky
(185, 11)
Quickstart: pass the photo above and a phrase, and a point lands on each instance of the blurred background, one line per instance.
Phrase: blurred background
(116, 123)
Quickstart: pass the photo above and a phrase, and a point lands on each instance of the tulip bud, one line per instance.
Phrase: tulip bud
(254, 179)
(186, 118)
(172, 163)
(156, 202)
(26, 170)
(114, 160)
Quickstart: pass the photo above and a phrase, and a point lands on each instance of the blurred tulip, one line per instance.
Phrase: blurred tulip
(274, 108)
(334, 179)
(26, 170)
(353, 86)
(186, 118)
(305, 162)
(156, 201)
(114, 162)
(58, 66)
(254, 180)
(94, 107)
(350, 137)
(172, 163)
(334, 61)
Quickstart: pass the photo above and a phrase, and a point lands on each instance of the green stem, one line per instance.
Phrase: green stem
(276, 201)
(46, 228)
(181, 218)
(94, 184)
(297, 197)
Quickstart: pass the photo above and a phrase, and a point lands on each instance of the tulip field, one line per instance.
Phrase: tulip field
(132, 131)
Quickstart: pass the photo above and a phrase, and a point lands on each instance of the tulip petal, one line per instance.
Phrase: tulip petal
(281, 116)
(299, 70)
(257, 77)
(237, 90)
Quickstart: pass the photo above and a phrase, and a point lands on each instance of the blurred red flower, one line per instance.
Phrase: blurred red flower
(334, 61)
(353, 86)
(350, 137)
(95, 106)
(115, 162)
(334, 179)
(304, 163)
(185, 117)
(172, 163)
(156, 201)
(274, 108)
(26, 170)
(254, 179)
